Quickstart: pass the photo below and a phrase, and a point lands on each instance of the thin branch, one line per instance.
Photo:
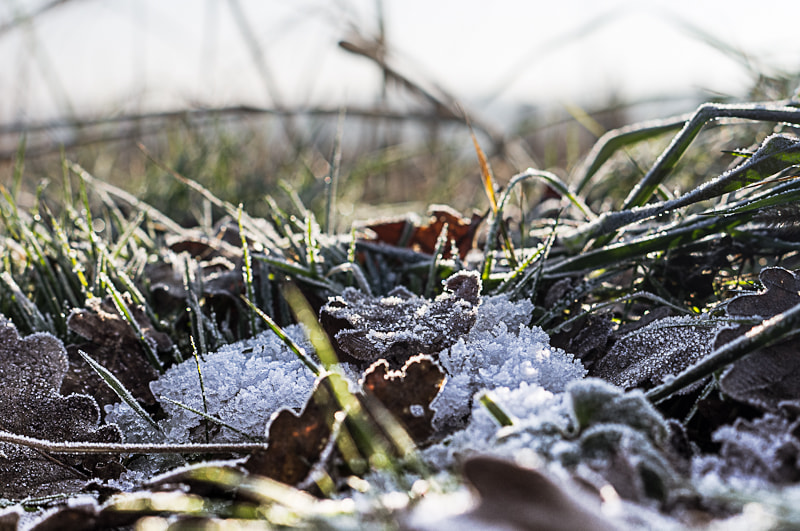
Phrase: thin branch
(79, 447)
(28, 17)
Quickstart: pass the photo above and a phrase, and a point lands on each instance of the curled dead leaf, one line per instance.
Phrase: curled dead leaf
(296, 442)
(422, 237)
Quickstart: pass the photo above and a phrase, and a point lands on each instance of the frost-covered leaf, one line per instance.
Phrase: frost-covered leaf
(596, 431)
(652, 353)
(765, 378)
(513, 497)
(115, 345)
(622, 437)
(772, 374)
(767, 448)
(296, 442)
(31, 372)
(781, 293)
(407, 393)
(587, 339)
(594, 402)
(401, 324)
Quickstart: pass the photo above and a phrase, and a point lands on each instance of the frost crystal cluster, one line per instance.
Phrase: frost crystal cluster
(245, 383)
(500, 351)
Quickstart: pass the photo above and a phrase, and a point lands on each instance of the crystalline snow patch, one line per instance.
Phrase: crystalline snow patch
(494, 354)
(245, 383)
(529, 404)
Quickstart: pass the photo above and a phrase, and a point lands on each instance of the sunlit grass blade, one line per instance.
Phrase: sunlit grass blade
(120, 390)
(368, 422)
(127, 316)
(486, 173)
(495, 410)
(299, 351)
(247, 271)
(497, 221)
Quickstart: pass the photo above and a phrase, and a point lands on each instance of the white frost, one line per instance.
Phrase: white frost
(500, 351)
(245, 383)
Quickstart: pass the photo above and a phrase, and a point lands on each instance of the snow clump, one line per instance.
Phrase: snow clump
(501, 350)
(245, 383)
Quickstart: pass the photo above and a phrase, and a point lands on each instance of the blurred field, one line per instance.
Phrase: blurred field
(399, 149)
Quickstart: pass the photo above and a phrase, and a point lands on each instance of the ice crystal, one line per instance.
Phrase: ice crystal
(245, 383)
(495, 355)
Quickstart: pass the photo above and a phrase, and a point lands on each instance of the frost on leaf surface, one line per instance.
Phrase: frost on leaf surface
(31, 372)
(401, 325)
(495, 355)
(763, 449)
(593, 430)
(245, 383)
(648, 355)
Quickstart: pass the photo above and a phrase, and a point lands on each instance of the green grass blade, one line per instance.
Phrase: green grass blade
(299, 351)
(127, 316)
(120, 390)
(247, 271)
(616, 139)
(441, 242)
(210, 418)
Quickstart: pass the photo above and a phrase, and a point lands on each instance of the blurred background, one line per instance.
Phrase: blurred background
(241, 95)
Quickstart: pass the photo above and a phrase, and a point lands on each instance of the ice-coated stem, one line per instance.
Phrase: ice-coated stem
(765, 112)
(79, 447)
(633, 209)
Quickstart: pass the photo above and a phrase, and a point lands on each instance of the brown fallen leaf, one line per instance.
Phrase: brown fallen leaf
(296, 442)
(407, 393)
(31, 373)
(112, 343)
(405, 232)
(511, 497)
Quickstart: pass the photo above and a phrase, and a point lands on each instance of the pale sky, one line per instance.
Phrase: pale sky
(97, 58)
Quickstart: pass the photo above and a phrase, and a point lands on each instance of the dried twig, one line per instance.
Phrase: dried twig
(78, 447)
